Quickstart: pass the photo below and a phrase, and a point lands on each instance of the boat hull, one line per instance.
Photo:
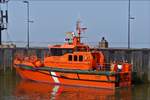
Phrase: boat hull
(87, 80)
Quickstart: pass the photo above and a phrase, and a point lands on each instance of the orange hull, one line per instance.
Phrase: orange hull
(99, 81)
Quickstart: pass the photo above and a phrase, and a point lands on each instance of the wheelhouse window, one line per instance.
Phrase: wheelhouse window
(70, 57)
(81, 49)
(75, 58)
(60, 51)
(80, 58)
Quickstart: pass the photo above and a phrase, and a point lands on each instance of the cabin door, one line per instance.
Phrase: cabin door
(96, 60)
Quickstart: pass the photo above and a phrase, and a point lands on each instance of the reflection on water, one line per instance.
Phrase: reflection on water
(12, 88)
(44, 91)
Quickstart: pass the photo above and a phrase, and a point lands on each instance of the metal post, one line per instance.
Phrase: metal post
(27, 2)
(0, 35)
(3, 25)
(149, 68)
(129, 25)
(28, 24)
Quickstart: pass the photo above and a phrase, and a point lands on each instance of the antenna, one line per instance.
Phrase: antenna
(79, 29)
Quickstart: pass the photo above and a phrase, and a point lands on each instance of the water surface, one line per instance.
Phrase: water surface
(14, 88)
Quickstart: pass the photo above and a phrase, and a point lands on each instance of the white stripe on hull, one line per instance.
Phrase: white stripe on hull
(54, 78)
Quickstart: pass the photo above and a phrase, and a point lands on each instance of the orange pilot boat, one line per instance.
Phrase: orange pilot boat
(74, 63)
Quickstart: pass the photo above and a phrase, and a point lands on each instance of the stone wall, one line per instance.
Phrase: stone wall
(139, 58)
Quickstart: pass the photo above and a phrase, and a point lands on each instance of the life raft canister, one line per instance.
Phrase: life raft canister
(28, 63)
(38, 63)
(17, 61)
(35, 61)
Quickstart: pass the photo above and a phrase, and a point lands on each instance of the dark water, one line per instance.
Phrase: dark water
(13, 88)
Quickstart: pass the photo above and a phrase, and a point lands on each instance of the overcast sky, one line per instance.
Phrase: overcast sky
(102, 18)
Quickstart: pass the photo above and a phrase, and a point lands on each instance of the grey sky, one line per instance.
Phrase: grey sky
(102, 18)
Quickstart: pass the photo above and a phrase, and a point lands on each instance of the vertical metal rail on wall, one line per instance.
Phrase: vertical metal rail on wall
(149, 68)
(1, 59)
(6, 59)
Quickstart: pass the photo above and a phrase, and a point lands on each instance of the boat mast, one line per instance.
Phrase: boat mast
(78, 29)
